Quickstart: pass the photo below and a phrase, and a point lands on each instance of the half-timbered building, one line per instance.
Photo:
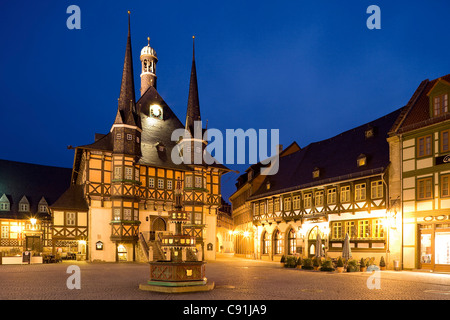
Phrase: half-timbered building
(420, 147)
(26, 191)
(123, 183)
(329, 188)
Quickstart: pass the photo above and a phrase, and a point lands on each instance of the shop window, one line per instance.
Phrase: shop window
(336, 231)
(266, 243)
(363, 229)
(360, 192)
(319, 198)
(442, 247)
(287, 204)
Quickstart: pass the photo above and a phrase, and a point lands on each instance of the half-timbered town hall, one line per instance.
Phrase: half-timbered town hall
(123, 183)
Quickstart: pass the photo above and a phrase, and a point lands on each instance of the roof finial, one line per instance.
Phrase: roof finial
(193, 47)
(148, 38)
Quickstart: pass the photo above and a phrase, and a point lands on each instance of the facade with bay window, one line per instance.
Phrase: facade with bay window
(421, 135)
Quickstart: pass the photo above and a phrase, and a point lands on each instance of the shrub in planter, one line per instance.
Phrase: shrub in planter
(327, 265)
(382, 263)
(307, 264)
(291, 262)
(340, 265)
(362, 265)
(283, 259)
(316, 263)
(352, 266)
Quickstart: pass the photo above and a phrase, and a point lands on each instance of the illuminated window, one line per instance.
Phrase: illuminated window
(363, 229)
(331, 196)
(118, 173)
(5, 232)
(277, 242)
(116, 214)
(277, 204)
(345, 194)
(307, 200)
(376, 189)
(424, 146)
(188, 181)
(350, 229)
(127, 214)
(160, 183)
(296, 202)
(336, 230)
(70, 218)
(361, 160)
(287, 204)
(128, 173)
(270, 206)
(378, 229)
(266, 243)
(169, 184)
(360, 192)
(424, 189)
(291, 241)
(440, 105)
(445, 186)
(151, 182)
(319, 198)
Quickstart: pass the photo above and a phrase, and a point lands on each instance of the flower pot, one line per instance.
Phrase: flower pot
(340, 269)
(383, 268)
(362, 269)
(316, 268)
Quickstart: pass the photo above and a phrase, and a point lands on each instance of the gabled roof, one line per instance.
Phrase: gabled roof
(417, 112)
(335, 158)
(18, 179)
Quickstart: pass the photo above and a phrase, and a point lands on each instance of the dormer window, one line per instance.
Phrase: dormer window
(4, 203)
(440, 105)
(316, 173)
(361, 160)
(268, 185)
(24, 205)
(369, 133)
(42, 206)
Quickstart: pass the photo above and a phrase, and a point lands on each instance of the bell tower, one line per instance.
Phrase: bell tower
(148, 62)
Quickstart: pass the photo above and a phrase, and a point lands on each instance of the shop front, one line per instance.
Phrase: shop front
(434, 244)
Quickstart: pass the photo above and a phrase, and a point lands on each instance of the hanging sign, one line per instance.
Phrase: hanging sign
(442, 159)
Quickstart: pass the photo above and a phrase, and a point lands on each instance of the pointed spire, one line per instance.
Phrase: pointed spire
(127, 98)
(193, 108)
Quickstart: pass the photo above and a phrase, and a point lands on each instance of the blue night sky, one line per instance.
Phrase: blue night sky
(311, 69)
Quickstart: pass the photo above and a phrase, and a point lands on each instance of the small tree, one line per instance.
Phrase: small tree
(283, 259)
(299, 261)
(382, 262)
(340, 263)
(362, 263)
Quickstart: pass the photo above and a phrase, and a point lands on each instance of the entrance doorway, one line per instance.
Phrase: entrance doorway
(33, 243)
(158, 227)
(122, 253)
(312, 238)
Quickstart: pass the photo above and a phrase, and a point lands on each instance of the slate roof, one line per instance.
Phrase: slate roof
(417, 111)
(71, 199)
(18, 179)
(335, 158)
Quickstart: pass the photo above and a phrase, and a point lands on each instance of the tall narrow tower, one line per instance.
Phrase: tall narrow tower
(148, 74)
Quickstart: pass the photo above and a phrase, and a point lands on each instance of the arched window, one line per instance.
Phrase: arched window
(277, 242)
(292, 244)
(266, 243)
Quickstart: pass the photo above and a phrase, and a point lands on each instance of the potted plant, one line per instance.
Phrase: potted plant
(307, 264)
(362, 265)
(340, 265)
(283, 258)
(352, 266)
(382, 263)
(316, 263)
(327, 265)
